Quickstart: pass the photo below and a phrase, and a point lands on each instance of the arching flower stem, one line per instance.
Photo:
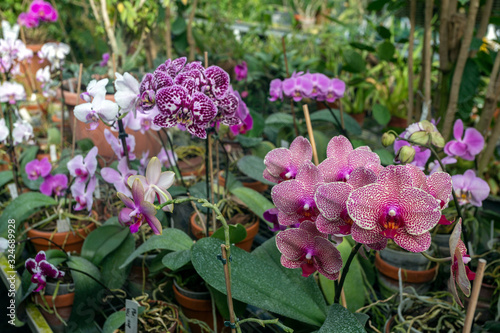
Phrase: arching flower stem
(438, 260)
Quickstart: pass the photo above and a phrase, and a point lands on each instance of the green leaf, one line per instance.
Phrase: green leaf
(258, 124)
(177, 259)
(27, 156)
(383, 32)
(22, 207)
(381, 114)
(361, 46)
(102, 241)
(170, 239)
(85, 144)
(470, 82)
(377, 5)
(262, 149)
(350, 124)
(255, 201)
(354, 62)
(385, 51)
(248, 142)
(221, 303)
(113, 276)
(279, 120)
(237, 233)
(179, 26)
(253, 167)
(321, 143)
(256, 282)
(5, 177)
(114, 322)
(386, 157)
(340, 320)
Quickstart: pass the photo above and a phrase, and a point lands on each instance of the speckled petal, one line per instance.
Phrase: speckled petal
(289, 219)
(359, 158)
(48, 269)
(420, 210)
(369, 237)
(331, 199)
(394, 178)
(165, 120)
(163, 80)
(361, 177)
(290, 263)
(293, 243)
(365, 204)
(412, 243)
(196, 130)
(170, 99)
(277, 160)
(30, 265)
(310, 227)
(300, 150)
(339, 147)
(310, 176)
(331, 227)
(147, 83)
(418, 178)
(439, 186)
(286, 195)
(270, 177)
(327, 257)
(219, 80)
(178, 64)
(202, 108)
(331, 167)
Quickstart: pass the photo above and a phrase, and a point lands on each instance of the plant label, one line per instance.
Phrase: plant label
(97, 192)
(63, 225)
(13, 190)
(53, 153)
(131, 313)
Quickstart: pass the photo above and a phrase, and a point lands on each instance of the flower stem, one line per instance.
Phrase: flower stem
(438, 260)
(123, 135)
(339, 126)
(338, 290)
(263, 324)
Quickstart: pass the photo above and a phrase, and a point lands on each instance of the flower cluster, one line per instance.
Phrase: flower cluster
(41, 269)
(55, 53)
(350, 193)
(39, 11)
(243, 114)
(52, 184)
(83, 170)
(12, 52)
(310, 85)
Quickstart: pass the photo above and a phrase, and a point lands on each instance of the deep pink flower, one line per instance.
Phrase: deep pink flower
(81, 168)
(295, 198)
(241, 71)
(335, 90)
(43, 10)
(282, 164)
(28, 20)
(217, 82)
(307, 248)
(55, 184)
(297, 87)
(470, 189)
(392, 208)
(41, 269)
(320, 83)
(276, 90)
(244, 127)
(466, 147)
(36, 168)
(119, 178)
(271, 216)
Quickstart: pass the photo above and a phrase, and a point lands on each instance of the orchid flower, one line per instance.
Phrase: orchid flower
(335, 90)
(165, 157)
(36, 168)
(55, 184)
(467, 145)
(28, 20)
(276, 90)
(138, 210)
(119, 178)
(271, 216)
(320, 83)
(282, 164)
(241, 71)
(105, 60)
(100, 107)
(82, 168)
(4, 130)
(127, 92)
(143, 162)
(297, 87)
(84, 194)
(43, 75)
(309, 249)
(55, 53)
(94, 88)
(43, 10)
(470, 189)
(460, 274)
(41, 269)
(156, 183)
(23, 131)
(12, 92)
(116, 144)
(142, 122)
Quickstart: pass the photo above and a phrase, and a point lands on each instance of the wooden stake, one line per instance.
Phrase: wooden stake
(206, 59)
(311, 133)
(232, 318)
(78, 90)
(471, 309)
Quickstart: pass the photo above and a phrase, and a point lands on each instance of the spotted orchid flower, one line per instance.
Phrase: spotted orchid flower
(177, 106)
(467, 145)
(276, 90)
(147, 93)
(127, 92)
(297, 87)
(227, 108)
(116, 144)
(90, 113)
(460, 274)
(282, 163)
(138, 210)
(84, 194)
(271, 216)
(307, 248)
(155, 183)
(342, 160)
(295, 198)
(470, 189)
(83, 168)
(217, 83)
(55, 184)
(392, 209)
(41, 269)
(36, 168)
(119, 178)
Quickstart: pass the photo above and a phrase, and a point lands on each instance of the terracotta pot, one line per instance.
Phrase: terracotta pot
(137, 273)
(63, 303)
(245, 244)
(29, 69)
(256, 185)
(192, 166)
(4, 162)
(398, 122)
(69, 241)
(143, 142)
(359, 117)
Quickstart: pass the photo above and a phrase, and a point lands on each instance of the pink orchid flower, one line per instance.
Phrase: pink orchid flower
(470, 189)
(276, 90)
(55, 184)
(81, 168)
(119, 178)
(36, 168)
(282, 164)
(84, 194)
(116, 144)
(467, 145)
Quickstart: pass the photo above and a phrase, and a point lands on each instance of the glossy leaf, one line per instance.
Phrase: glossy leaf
(255, 201)
(253, 167)
(102, 241)
(381, 114)
(354, 62)
(385, 51)
(340, 320)
(5, 177)
(113, 276)
(386, 157)
(279, 120)
(237, 233)
(350, 124)
(177, 259)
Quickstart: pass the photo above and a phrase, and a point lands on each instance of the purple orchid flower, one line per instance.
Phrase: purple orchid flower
(227, 108)
(55, 184)
(193, 111)
(82, 168)
(43, 10)
(217, 82)
(119, 178)
(295, 198)
(36, 168)
(309, 249)
(28, 20)
(105, 59)
(392, 208)
(297, 87)
(138, 210)
(84, 195)
(466, 147)
(276, 90)
(320, 83)
(241, 71)
(147, 93)
(335, 90)
(470, 189)
(342, 160)
(282, 164)
(116, 144)
(142, 122)
(271, 216)
(41, 269)
(244, 127)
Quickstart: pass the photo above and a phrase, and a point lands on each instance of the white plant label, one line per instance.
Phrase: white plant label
(63, 225)
(97, 192)
(13, 190)
(131, 313)
(53, 153)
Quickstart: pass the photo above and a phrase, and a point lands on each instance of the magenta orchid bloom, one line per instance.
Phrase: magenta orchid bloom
(470, 189)
(342, 160)
(28, 20)
(320, 83)
(105, 59)
(466, 147)
(84, 194)
(116, 144)
(393, 209)
(241, 71)
(36, 168)
(43, 10)
(282, 164)
(307, 248)
(55, 184)
(461, 275)
(41, 269)
(119, 178)
(82, 168)
(138, 210)
(335, 90)
(244, 127)
(297, 87)
(276, 90)
(295, 198)
(271, 216)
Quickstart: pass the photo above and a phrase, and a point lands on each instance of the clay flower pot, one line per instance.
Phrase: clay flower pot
(191, 166)
(63, 304)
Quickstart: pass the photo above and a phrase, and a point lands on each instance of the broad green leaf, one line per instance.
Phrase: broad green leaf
(258, 125)
(221, 303)
(112, 275)
(22, 207)
(248, 142)
(354, 62)
(102, 241)
(255, 201)
(253, 167)
(170, 239)
(5, 177)
(350, 124)
(262, 149)
(470, 81)
(340, 320)
(279, 120)
(179, 25)
(237, 233)
(177, 259)
(114, 322)
(386, 157)
(85, 144)
(256, 282)
(377, 5)
(383, 32)
(381, 114)
(385, 51)
(321, 143)
(361, 46)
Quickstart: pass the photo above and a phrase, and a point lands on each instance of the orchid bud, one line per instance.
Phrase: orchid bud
(420, 138)
(437, 139)
(388, 139)
(406, 154)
